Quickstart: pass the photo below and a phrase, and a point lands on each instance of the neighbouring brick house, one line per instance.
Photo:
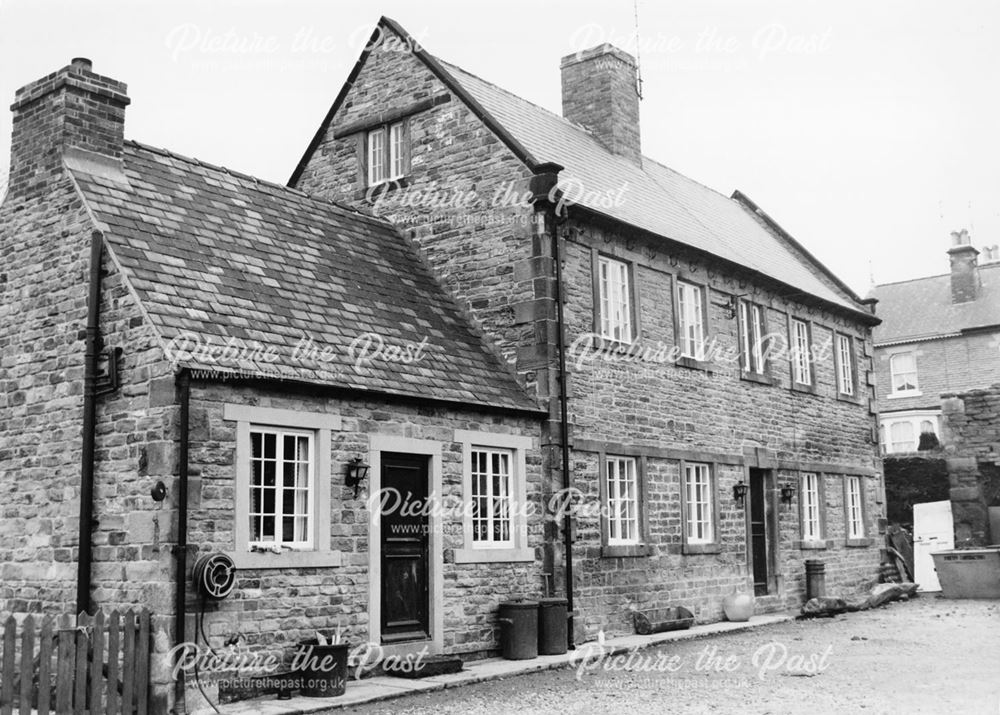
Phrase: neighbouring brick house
(939, 334)
(228, 348)
(705, 349)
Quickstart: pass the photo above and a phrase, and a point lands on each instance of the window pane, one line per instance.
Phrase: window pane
(396, 150)
(615, 300)
(376, 157)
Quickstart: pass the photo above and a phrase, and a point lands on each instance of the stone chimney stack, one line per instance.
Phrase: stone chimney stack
(600, 92)
(965, 281)
(72, 107)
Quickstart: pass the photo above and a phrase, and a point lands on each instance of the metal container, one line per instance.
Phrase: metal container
(519, 629)
(969, 573)
(815, 579)
(552, 621)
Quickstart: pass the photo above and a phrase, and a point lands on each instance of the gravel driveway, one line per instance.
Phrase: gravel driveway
(929, 655)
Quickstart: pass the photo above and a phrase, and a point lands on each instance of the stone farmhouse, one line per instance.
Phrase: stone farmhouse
(604, 380)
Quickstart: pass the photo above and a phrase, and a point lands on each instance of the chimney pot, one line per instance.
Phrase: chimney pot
(82, 63)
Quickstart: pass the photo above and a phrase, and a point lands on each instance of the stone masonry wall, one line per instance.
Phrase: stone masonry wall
(971, 426)
(44, 267)
(273, 609)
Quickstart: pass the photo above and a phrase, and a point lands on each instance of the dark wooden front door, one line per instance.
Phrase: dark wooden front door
(758, 530)
(404, 543)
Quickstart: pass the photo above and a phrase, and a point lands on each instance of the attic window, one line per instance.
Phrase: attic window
(387, 152)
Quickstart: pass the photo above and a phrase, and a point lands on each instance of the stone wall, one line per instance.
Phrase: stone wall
(971, 426)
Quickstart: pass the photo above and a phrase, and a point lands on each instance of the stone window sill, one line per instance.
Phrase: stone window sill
(701, 549)
(695, 364)
(859, 543)
(484, 556)
(903, 395)
(610, 551)
(287, 559)
(373, 193)
(815, 545)
(852, 399)
(758, 378)
(807, 389)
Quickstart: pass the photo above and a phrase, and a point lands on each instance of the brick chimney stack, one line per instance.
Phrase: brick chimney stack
(965, 282)
(72, 107)
(600, 92)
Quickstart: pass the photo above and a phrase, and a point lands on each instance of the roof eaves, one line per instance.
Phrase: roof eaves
(858, 314)
(747, 203)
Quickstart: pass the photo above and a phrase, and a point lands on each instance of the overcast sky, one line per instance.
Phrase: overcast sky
(869, 130)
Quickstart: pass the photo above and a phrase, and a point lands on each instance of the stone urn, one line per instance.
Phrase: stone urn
(738, 606)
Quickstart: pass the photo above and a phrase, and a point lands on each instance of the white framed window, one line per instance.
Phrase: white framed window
(752, 332)
(386, 153)
(801, 353)
(845, 365)
(615, 298)
(855, 510)
(699, 499)
(282, 490)
(491, 496)
(623, 501)
(282, 487)
(901, 437)
(812, 527)
(903, 373)
(494, 494)
(691, 320)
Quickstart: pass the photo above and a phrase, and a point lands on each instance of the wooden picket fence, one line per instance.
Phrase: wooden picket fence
(87, 665)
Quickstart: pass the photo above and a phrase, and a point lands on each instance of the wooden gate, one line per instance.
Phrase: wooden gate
(90, 664)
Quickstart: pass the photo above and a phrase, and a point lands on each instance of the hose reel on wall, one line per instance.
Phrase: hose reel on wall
(214, 576)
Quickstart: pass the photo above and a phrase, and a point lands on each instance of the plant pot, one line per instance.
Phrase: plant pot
(322, 669)
(738, 606)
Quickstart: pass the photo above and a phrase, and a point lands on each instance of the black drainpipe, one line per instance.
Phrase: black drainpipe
(184, 396)
(90, 367)
(544, 194)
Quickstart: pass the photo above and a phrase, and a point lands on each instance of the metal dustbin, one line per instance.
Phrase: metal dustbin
(815, 579)
(519, 629)
(552, 622)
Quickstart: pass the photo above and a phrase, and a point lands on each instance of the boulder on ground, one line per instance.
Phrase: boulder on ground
(823, 607)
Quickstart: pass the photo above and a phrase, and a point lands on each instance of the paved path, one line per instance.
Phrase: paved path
(930, 655)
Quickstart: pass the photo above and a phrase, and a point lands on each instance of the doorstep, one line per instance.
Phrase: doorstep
(370, 690)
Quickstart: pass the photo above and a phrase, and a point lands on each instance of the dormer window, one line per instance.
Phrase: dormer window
(388, 153)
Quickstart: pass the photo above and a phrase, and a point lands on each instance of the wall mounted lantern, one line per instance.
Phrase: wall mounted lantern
(787, 492)
(740, 492)
(357, 470)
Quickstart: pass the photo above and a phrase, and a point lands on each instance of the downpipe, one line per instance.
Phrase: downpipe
(180, 613)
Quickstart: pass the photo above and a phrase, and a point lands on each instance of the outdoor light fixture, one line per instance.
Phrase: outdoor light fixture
(357, 470)
(740, 492)
(787, 492)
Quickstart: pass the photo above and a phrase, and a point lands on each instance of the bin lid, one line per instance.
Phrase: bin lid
(554, 601)
(519, 603)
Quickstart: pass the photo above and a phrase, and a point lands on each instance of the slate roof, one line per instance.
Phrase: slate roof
(217, 255)
(921, 308)
(657, 198)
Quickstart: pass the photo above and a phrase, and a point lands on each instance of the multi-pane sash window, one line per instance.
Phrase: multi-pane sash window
(282, 487)
(616, 300)
(855, 518)
(700, 508)
(386, 153)
(752, 333)
(810, 508)
(903, 367)
(491, 497)
(801, 367)
(691, 320)
(623, 501)
(396, 151)
(901, 437)
(845, 365)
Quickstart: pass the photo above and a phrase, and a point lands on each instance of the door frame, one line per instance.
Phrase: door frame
(772, 533)
(378, 443)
